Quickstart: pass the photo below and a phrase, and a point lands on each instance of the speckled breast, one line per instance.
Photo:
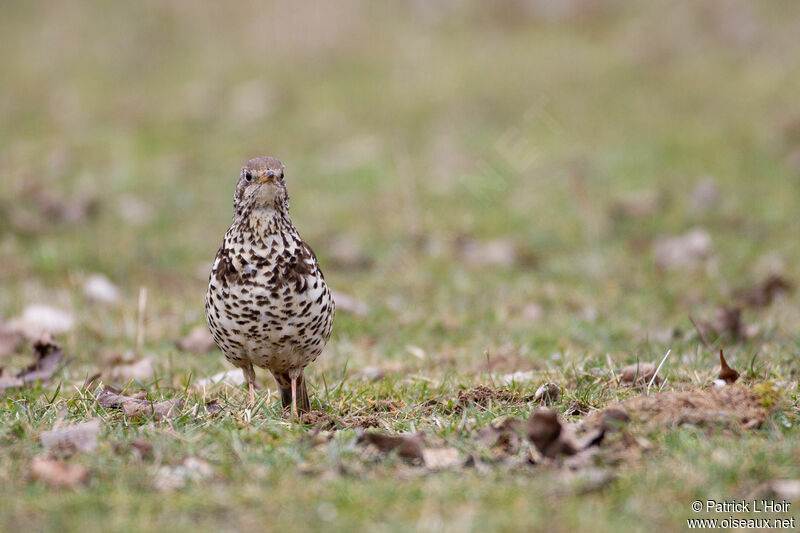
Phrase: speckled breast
(269, 305)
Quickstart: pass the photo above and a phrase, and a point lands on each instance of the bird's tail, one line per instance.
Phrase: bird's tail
(285, 386)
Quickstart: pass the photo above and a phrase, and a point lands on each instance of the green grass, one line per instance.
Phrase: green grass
(403, 129)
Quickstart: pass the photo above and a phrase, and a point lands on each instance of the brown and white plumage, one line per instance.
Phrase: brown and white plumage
(267, 303)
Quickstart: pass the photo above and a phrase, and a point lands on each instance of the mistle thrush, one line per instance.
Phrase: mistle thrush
(267, 303)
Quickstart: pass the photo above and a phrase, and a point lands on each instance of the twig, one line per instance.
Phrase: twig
(657, 369)
(701, 334)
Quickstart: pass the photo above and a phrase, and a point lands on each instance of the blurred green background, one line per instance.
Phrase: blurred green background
(487, 177)
(405, 129)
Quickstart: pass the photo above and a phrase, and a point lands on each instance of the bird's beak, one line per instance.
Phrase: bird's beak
(268, 177)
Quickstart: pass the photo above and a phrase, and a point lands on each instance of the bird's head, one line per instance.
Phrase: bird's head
(261, 185)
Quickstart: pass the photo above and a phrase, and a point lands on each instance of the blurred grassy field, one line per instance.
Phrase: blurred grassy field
(409, 133)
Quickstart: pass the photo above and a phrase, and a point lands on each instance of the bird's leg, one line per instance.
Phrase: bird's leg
(250, 376)
(294, 397)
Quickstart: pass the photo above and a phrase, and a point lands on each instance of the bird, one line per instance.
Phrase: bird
(267, 303)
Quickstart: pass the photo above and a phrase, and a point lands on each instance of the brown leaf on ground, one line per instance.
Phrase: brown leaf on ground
(726, 373)
(639, 374)
(47, 355)
(406, 446)
(545, 431)
(158, 410)
(547, 394)
(726, 406)
(57, 474)
(68, 440)
(198, 341)
(137, 407)
(762, 294)
(504, 438)
(614, 418)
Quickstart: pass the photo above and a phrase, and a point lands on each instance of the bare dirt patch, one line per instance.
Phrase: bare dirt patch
(730, 406)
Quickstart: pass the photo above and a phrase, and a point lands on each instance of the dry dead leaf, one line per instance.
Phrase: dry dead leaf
(547, 394)
(503, 438)
(158, 410)
(545, 431)
(68, 440)
(726, 373)
(47, 355)
(198, 341)
(685, 251)
(137, 407)
(406, 446)
(639, 374)
(57, 473)
(762, 294)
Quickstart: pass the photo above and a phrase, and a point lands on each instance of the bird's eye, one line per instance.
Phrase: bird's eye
(248, 177)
